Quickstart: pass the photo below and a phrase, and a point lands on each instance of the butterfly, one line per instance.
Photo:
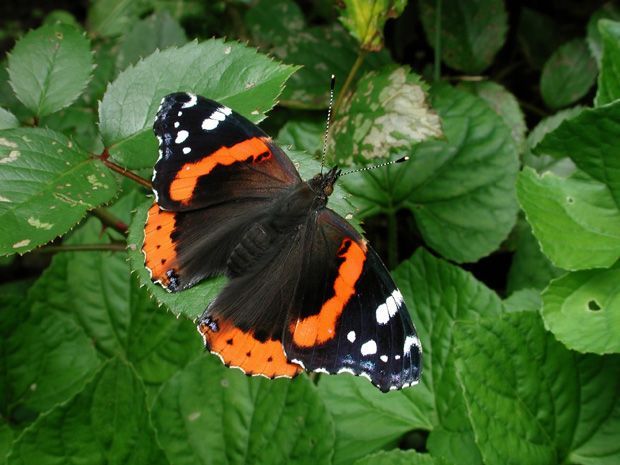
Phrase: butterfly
(305, 290)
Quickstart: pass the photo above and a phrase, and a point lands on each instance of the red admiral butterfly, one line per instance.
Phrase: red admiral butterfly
(305, 290)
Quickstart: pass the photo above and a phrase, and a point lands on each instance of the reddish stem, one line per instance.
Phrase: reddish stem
(105, 158)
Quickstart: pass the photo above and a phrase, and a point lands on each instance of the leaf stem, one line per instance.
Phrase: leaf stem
(392, 240)
(108, 219)
(113, 247)
(437, 64)
(104, 157)
(361, 54)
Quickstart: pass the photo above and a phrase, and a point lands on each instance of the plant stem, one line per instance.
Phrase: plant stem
(104, 157)
(108, 219)
(361, 54)
(113, 247)
(392, 240)
(437, 64)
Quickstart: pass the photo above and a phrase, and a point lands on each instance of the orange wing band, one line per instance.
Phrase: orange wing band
(242, 350)
(159, 250)
(185, 181)
(320, 328)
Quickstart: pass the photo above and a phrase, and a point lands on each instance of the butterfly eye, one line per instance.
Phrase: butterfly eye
(329, 189)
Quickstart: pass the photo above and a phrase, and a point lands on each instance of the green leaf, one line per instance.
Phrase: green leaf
(157, 32)
(538, 36)
(46, 186)
(303, 134)
(524, 300)
(274, 21)
(609, 77)
(575, 219)
(80, 124)
(461, 191)
(192, 302)
(582, 310)
(568, 74)
(247, 420)
(365, 20)
(231, 73)
(50, 67)
(109, 18)
(530, 268)
(471, 32)
(49, 359)
(536, 158)
(106, 423)
(589, 140)
(62, 16)
(7, 119)
(530, 398)
(389, 113)
(504, 103)
(399, 457)
(6, 440)
(595, 39)
(437, 294)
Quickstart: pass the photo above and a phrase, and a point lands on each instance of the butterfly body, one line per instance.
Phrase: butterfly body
(305, 290)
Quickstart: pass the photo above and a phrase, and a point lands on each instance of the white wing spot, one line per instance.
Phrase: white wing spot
(192, 101)
(410, 341)
(227, 111)
(384, 358)
(351, 336)
(369, 348)
(209, 124)
(390, 308)
(186, 150)
(396, 357)
(181, 136)
(180, 113)
(218, 115)
(176, 124)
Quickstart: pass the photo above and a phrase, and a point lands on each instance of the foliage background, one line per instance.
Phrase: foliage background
(502, 230)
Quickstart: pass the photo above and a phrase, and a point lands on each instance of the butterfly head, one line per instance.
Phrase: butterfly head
(323, 184)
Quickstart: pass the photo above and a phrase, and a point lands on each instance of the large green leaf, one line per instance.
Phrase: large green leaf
(609, 77)
(389, 113)
(109, 18)
(106, 423)
(568, 74)
(530, 400)
(399, 457)
(582, 309)
(504, 103)
(589, 139)
(365, 19)
(575, 219)
(229, 72)
(46, 186)
(208, 413)
(461, 191)
(438, 294)
(157, 32)
(471, 33)
(50, 67)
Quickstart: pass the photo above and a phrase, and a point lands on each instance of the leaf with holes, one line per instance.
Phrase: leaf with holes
(267, 421)
(50, 67)
(575, 219)
(471, 32)
(582, 310)
(46, 186)
(529, 397)
(461, 191)
(106, 423)
(589, 140)
(229, 72)
(388, 114)
(568, 74)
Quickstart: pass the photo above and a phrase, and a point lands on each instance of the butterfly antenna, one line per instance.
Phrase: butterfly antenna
(332, 86)
(379, 165)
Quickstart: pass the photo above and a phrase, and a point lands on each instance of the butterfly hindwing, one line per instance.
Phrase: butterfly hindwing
(209, 154)
(360, 324)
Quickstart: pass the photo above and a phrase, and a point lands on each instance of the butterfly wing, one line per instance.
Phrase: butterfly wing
(216, 173)
(320, 300)
(351, 317)
(209, 154)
